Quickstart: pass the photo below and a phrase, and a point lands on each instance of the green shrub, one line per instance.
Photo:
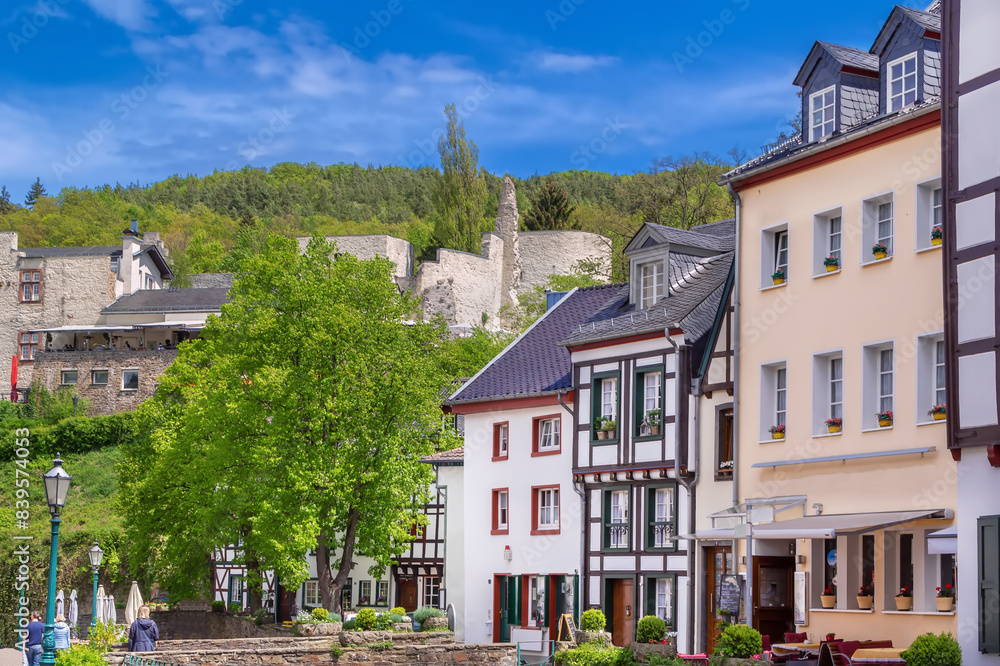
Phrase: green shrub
(320, 614)
(931, 650)
(593, 620)
(104, 636)
(351, 625)
(235, 608)
(258, 620)
(383, 623)
(337, 652)
(396, 618)
(427, 611)
(381, 645)
(89, 433)
(398, 610)
(651, 629)
(218, 606)
(739, 641)
(79, 655)
(596, 654)
(662, 660)
(366, 619)
(333, 617)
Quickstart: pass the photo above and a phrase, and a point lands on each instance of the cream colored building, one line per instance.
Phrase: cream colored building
(821, 339)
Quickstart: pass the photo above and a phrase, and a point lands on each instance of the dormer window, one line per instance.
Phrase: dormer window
(651, 277)
(822, 113)
(902, 84)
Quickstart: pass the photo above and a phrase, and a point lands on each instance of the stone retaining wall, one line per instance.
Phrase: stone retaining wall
(352, 638)
(206, 625)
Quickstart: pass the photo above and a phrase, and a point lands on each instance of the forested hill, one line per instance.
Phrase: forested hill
(206, 221)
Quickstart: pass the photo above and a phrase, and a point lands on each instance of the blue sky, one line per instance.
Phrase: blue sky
(105, 91)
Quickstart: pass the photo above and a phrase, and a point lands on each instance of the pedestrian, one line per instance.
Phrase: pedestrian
(35, 631)
(143, 634)
(61, 633)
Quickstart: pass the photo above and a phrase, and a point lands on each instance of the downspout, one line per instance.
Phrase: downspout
(681, 392)
(583, 499)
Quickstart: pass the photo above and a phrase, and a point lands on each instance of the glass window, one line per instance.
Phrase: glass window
(868, 560)
(548, 509)
(130, 379)
(618, 523)
(364, 592)
(822, 110)
(548, 434)
(382, 598)
(781, 396)
(772, 587)
(609, 397)
(884, 231)
(664, 603)
(29, 346)
(536, 600)
(937, 208)
(236, 590)
(501, 499)
(905, 560)
(939, 392)
(432, 591)
(99, 377)
(836, 388)
(725, 443)
(781, 253)
(312, 596)
(652, 283)
(885, 381)
(836, 238)
(68, 377)
(502, 431)
(651, 389)
(347, 594)
(830, 563)
(662, 514)
(31, 286)
(114, 264)
(902, 83)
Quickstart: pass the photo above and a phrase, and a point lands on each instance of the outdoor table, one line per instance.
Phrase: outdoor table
(878, 656)
(783, 649)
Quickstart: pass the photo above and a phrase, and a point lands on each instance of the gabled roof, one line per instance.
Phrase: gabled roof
(845, 55)
(717, 239)
(692, 305)
(451, 457)
(535, 363)
(170, 300)
(926, 20)
(161, 264)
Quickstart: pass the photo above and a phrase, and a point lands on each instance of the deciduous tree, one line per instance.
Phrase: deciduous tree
(461, 193)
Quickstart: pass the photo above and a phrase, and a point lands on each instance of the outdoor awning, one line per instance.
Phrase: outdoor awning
(943, 542)
(192, 324)
(830, 526)
(86, 328)
(713, 534)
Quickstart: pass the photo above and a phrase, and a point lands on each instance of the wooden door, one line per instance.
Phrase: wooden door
(719, 562)
(773, 609)
(408, 593)
(284, 604)
(623, 611)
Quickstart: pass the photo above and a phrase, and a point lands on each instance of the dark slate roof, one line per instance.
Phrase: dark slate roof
(692, 304)
(928, 20)
(170, 300)
(452, 457)
(535, 363)
(725, 228)
(158, 259)
(92, 251)
(852, 57)
(715, 240)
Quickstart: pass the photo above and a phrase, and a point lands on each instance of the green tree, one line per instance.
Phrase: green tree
(461, 194)
(550, 209)
(5, 204)
(36, 192)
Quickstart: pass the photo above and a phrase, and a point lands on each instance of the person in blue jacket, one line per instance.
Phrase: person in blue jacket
(61, 633)
(143, 634)
(35, 631)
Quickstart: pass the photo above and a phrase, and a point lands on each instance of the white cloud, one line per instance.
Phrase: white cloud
(566, 63)
(132, 15)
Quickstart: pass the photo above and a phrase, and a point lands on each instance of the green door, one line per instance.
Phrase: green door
(503, 614)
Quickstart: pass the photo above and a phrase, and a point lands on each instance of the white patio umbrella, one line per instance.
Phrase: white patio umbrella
(133, 603)
(100, 604)
(73, 617)
(110, 613)
(60, 603)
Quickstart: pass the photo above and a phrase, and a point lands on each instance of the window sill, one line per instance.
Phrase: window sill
(603, 442)
(135, 390)
(771, 440)
(497, 532)
(545, 531)
(896, 612)
(840, 610)
(646, 438)
(768, 287)
(828, 434)
(931, 422)
(877, 429)
(929, 248)
(826, 273)
(537, 454)
(498, 458)
(872, 262)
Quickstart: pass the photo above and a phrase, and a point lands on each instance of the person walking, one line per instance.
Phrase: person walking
(35, 631)
(61, 633)
(143, 634)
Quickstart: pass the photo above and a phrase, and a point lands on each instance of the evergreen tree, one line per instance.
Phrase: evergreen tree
(5, 205)
(550, 209)
(36, 192)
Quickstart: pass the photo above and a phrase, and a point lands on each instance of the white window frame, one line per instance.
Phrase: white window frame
(536, 600)
(823, 244)
(28, 343)
(549, 435)
(897, 101)
(363, 587)
(651, 284)
(503, 509)
(768, 397)
(382, 590)
(769, 239)
(107, 377)
(927, 211)
(311, 595)
(824, 386)
(663, 512)
(871, 390)
(150, 282)
(31, 287)
(619, 505)
(432, 591)
(781, 248)
(503, 435)
(127, 388)
(836, 388)
(827, 111)
(64, 373)
(930, 380)
(870, 232)
(781, 396)
(609, 397)
(664, 599)
(114, 264)
(548, 508)
(886, 380)
(652, 391)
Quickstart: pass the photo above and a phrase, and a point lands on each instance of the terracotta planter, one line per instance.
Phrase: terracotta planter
(904, 603)
(830, 268)
(602, 434)
(832, 428)
(880, 255)
(778, 281)
(777, 435)
(937, 241)
(654, 430)
(939, 416)
(612, 434)
(945, 604)
(865, 603)
(884, 423)
(828, 600)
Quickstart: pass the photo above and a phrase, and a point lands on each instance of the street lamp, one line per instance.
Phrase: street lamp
(96, 555)
(56, 488)
(76, 399)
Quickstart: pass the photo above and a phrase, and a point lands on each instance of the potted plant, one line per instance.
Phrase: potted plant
(880, 251)
(866, 597)
(937, 236)
(832, 264)
(611, 427)
(945, 598)
(599, 428)
(904, 600)
(834, 424)
(777, 431)
(884, 418)
(778, 277)
(653, 419)
(938, 412)
(831, 637)
(829, 597)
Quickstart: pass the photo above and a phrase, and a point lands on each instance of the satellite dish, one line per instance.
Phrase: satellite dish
(452, 616)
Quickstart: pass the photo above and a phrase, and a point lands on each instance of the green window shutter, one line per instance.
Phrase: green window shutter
(650, 515)
(548, 601)
(989, 584)
(516, 588)
(650, 596)
(606, 519)
(595, 406)
(576, 599)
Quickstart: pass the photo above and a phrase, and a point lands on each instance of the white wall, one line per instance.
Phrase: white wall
(451, 478)
(975, 475)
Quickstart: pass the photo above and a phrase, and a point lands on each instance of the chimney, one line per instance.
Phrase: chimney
(129, 268)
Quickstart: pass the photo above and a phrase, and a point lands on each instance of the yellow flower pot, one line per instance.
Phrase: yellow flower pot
(904, 603)
(830, 268)
(945, 604)
(865, 603)
(940, 416)
(937, 241)
(778, 281)
(828, 600)
(777, 435)
(881, 255)
(832, 428)
(884, 423)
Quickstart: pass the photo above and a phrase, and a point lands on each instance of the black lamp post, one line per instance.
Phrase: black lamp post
(96, 555)
(76, 399)
(56, 488)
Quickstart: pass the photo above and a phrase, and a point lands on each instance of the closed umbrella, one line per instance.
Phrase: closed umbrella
(61, 603)
(110, 613)
(100, 605)
(133, 603)
(73, 617)
(13, 379)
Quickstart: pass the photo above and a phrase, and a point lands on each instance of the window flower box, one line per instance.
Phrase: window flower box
(904, 600)
(832, 264)
(945, 599)
(884, 419)
(865, 598)
(834, 425)
(778, 277)
(829, 597)
(938, 412)
(777, 432)
(937, 236)
(880, 251)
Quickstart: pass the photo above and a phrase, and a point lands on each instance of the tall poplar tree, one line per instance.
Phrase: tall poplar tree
(461, 195)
